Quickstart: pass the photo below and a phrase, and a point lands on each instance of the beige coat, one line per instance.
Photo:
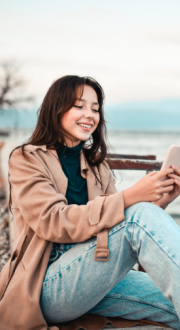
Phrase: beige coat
(42, 216)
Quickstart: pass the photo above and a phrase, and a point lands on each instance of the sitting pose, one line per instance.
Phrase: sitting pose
(76, 237)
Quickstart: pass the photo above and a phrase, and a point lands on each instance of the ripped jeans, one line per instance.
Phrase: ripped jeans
(76, 284)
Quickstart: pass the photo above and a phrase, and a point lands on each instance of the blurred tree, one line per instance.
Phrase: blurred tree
(11, 85)
(12, 94)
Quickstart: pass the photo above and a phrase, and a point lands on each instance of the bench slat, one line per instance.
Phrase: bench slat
(117, 164)
(147, 157)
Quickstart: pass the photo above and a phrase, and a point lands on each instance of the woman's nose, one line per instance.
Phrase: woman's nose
(89, 113)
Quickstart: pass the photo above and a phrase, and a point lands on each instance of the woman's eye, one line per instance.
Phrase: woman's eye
(78, 106)
(81, 107)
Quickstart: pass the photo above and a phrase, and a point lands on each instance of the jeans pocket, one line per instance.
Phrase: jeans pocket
(55, 254)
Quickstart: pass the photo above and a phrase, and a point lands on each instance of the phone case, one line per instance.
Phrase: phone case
(172, 158)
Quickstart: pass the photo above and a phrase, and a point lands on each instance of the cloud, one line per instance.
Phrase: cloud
(93, 10)
(67, 62)
(167, 37)
(173, 72)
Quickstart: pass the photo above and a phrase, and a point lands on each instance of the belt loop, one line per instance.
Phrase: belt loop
(102, 253)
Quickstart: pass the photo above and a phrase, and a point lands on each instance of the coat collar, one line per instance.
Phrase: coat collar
(94, 188)
(34, 148)
(83, 161)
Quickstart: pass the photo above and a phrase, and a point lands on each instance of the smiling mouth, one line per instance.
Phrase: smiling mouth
(85, 127)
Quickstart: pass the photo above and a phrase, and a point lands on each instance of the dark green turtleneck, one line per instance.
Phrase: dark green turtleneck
(77, 186)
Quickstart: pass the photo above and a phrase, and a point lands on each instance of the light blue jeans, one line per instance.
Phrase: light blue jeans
(76, 284)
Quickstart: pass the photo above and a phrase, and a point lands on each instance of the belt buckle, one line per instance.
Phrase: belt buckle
(104, 254)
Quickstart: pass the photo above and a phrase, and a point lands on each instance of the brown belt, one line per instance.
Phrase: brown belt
(102, 253)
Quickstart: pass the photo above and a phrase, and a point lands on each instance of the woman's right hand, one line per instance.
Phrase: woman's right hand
(150, 188)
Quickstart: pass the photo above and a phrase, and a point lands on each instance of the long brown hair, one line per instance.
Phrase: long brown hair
(60, 98)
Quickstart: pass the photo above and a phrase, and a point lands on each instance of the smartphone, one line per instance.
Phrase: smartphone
(172, 158)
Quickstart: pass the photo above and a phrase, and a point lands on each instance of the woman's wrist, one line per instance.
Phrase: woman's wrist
(161, 204)
(130, 197)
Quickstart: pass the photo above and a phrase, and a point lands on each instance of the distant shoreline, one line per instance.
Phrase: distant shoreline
(109, 130)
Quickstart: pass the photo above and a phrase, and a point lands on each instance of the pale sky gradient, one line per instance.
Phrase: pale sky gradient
(132, 47)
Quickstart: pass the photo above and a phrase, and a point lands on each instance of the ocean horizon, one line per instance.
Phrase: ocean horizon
(155, 116)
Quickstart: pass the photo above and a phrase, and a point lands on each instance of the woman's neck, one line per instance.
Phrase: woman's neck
(65, 151)
(71, 144)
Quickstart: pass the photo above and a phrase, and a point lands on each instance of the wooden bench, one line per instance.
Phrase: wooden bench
(133, 162)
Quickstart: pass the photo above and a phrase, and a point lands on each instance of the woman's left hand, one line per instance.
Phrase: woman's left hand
(172, 195)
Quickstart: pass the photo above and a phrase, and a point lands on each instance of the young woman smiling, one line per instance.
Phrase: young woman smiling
(66, 210)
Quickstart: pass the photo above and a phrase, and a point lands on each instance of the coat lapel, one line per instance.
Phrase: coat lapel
(94, 188)
(58, 174)
(54, 165)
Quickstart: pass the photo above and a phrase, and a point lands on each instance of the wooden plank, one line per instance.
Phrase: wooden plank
(1, 145)
(117, 164)
(139, 327)
(148, 157)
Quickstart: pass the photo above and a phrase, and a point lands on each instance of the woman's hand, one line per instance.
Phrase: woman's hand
(173, 194)
(150, 188)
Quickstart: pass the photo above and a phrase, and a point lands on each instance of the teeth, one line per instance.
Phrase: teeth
(87, 126)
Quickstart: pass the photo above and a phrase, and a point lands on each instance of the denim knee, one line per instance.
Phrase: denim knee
(148, 216)
(143, 210)
(136, 213)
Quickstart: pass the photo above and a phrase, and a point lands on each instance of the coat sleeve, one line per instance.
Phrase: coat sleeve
(46, 211)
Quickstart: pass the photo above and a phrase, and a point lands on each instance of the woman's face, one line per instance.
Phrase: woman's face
(82, 119)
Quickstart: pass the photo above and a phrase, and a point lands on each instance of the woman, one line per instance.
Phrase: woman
(63, 195)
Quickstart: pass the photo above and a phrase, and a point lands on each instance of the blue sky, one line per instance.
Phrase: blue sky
(132, 47)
